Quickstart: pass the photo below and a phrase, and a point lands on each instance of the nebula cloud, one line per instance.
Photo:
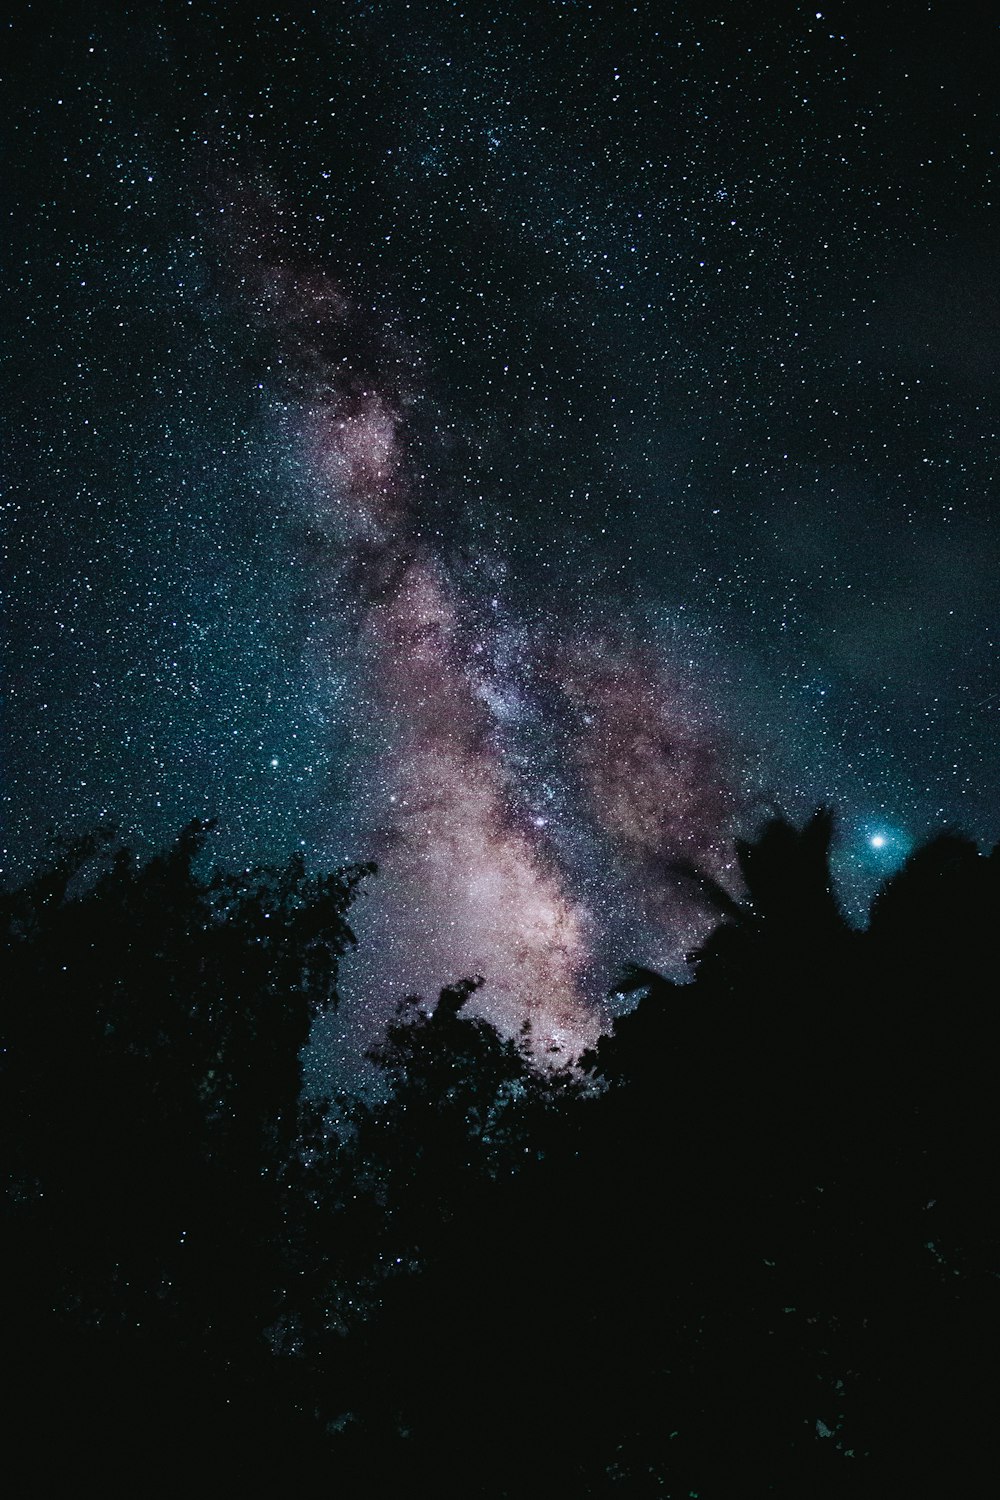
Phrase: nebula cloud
(470, 884)
(465, 886)
(474, 878)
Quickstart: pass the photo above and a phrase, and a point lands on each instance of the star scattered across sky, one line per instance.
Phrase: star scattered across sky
(567, 432)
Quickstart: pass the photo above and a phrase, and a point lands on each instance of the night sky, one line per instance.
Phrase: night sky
(523, 445)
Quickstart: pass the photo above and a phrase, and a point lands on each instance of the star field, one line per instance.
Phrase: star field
(679, 326)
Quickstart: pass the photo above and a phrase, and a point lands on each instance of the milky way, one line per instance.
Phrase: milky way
(571, 425)
(476, 834)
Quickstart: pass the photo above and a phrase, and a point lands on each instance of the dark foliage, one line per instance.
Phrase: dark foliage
(750, 1248)
(152, 1024)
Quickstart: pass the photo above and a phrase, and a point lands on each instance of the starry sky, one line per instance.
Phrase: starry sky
(525, 445)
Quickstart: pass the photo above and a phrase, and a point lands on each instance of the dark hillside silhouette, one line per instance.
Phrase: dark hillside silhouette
(750, 1247)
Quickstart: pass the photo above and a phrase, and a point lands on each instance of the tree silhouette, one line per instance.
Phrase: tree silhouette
(152, 1025)
(749, 1246)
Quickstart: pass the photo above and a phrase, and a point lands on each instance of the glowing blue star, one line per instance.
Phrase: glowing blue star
(878, 841)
